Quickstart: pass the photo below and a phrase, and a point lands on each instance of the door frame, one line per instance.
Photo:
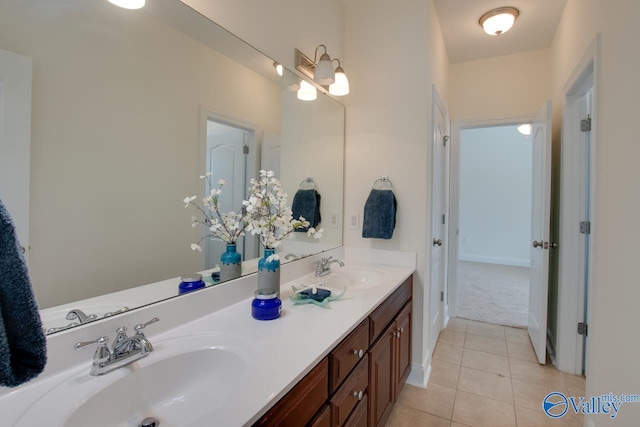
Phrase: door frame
(453, 244)
(570, 351)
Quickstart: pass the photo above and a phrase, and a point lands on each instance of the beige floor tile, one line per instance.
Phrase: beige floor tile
(517, 335)
(528, 418)
(456, 324)
(448, 353)
(487, 362)
(444, 374)
(478, 411)
(575, 383)
(485, 384)
(530, 395)
(449, 336)
(403, 416)
(486, 330)
(546, 375)
(522, 351)
(486, 344)
(435, 400)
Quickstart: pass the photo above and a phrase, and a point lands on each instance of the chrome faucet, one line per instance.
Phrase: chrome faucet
(324, 266)
(79, 316)
(125, 349)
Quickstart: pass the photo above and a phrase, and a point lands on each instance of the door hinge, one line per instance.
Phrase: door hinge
(583, 329)
(585, 125)
(441, 296)
(444, 140)
(245, 149)
(585, 227)
(443, 219)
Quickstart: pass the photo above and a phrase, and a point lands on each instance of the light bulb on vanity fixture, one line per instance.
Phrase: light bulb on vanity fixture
(279, 68)
(307, 91)
(499, 21)
(128, 4)
(341, 86)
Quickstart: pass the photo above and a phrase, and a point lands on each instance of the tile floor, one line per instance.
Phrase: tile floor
(485, 375)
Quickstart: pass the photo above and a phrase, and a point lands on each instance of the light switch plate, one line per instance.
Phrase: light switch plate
(334, 220)
(354, 222)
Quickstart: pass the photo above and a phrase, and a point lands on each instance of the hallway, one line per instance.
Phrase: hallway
(485, 375)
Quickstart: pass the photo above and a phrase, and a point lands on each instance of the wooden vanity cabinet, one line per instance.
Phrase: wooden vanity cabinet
(363, 375)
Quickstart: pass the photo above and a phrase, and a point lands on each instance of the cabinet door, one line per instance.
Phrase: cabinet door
(382, 377)
(403, 348)
(358, 417)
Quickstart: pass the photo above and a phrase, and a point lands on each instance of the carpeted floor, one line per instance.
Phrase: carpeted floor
(493, 293)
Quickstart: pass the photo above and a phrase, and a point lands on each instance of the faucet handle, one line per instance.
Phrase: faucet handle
(102, 353)
(140, 326)
(121, 335)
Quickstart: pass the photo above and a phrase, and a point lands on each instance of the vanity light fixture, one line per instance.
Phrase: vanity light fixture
(338, 85)
(341, 86)
(279, 68)
(307, 91)
(499, 21)
(128, 4)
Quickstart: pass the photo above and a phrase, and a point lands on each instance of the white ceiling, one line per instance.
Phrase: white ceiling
(465, 40)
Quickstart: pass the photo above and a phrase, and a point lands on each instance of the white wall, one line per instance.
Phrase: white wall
(276, 27)
(106, 200)
(612, 344)
(505, 86)
(495, 196)
(395, 55)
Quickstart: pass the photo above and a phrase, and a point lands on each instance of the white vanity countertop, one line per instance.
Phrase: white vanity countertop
(282, 351)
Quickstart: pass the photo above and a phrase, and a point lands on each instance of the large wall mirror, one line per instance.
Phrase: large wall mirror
(129, 108)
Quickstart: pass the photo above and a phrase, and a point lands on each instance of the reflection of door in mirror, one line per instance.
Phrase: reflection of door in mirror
(15, 139)
(227, 157)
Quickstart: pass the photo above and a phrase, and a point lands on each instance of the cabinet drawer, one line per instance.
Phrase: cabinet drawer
(298, 406)
(344, 400)
(347, 355)
(358, 417)
(380, 318)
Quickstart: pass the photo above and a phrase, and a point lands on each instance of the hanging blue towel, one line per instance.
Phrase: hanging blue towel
(23, 346)
(379, 214)
(306, 204)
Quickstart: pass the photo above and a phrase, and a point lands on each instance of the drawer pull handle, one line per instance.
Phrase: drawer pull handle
(358, 394)
(358, 353)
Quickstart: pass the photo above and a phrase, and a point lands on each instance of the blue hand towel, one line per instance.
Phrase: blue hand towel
(379, 214)
(23, 346)
(306, 204)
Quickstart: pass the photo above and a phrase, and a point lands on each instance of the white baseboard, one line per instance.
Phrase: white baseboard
(494, 260)
(419, 375)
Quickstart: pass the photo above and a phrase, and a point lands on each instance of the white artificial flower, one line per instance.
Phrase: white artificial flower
(221, 182)
(195, 246)
(188, 200)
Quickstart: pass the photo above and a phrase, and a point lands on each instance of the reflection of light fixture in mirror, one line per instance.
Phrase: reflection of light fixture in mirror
(129, 4)
(307, 91)
(499, 21)
(341, 85)
(323, 74)
(279, 68)
(290, 82)
(525, 129)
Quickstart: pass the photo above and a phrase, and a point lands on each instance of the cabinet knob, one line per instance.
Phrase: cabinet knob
(358, 353)
(358, 394)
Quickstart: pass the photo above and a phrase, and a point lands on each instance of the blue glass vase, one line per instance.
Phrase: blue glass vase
(269, 273)
(230, 263)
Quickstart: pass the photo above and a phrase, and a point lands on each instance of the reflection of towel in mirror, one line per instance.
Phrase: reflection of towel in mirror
(23, 346)
(306, 204)
(379, 214)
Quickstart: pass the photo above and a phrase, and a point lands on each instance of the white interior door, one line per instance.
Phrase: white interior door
(438, 237)
(540, 213)
(15, 139)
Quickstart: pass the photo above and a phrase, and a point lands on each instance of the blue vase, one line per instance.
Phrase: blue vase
(230, 264)
(269, 273)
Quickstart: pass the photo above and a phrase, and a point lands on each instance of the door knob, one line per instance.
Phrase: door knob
(437, 242)
(553, 245)
(537, 244)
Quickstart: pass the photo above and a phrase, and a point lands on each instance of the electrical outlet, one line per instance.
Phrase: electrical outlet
(334, 220)
(354, 224)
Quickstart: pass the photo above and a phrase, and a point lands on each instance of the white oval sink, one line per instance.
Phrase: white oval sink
(354, 278)
(179, 383)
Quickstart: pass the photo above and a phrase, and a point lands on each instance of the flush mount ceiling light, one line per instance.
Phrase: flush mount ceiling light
(338, 85)
(499, 21)
(129, 4)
